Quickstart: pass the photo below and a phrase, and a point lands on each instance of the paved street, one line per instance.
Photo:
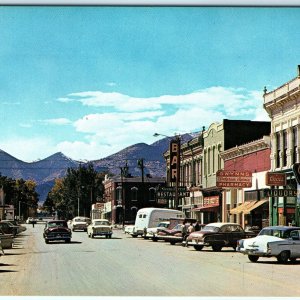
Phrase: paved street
(124, 266)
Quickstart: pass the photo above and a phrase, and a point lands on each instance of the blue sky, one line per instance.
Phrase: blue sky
(90, 81)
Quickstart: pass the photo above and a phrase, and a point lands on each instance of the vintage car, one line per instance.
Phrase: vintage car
(20, 228)
(218, 235)
(178, 233)
(152, 231)
(128, 229)
(80, 223)
(57, 230)
(7, 240)
(9, 228)
(99, 227)
(282, 242)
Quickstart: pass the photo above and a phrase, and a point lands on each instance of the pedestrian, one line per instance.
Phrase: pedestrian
(197, 226)
(191, 228)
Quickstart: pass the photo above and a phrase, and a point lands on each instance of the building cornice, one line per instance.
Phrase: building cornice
(254, 146)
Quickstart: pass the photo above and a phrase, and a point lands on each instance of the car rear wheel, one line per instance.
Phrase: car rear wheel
(154, 239)
(46, 241)
(68, 240)
(253, 258)
(198, 247)
(283, 257)
(172, 243)
(216, 248)
(293, 259)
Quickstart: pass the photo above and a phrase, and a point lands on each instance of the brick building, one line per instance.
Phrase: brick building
(248, 206)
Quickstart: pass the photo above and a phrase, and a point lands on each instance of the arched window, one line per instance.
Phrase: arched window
(152, 194)
(134, 193)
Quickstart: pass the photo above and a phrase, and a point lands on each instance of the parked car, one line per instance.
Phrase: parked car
(80, 223)
(7, 240)
(218, 235)
(21, 228)
(128, 229)
(9, 228)
(99, 227)
(57, 230)
(282, 242)
(152, 231)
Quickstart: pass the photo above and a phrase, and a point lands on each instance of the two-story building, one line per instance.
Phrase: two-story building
(283, 107)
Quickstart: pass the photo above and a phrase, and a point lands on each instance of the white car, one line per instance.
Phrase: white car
(80, 223)
(282, 242)
(99, 227)
(152, 232)
(128, 229)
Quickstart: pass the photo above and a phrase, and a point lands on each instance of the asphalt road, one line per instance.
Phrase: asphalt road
(126, 266)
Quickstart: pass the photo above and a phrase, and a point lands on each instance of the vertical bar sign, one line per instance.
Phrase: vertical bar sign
(175, 160)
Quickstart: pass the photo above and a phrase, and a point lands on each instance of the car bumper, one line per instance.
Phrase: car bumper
(254, 252)
(57, 237)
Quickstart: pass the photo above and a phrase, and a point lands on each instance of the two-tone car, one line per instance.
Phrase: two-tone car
(57, 230)
(218, 235)
(100, 227)
(80, 223)
(282, 242)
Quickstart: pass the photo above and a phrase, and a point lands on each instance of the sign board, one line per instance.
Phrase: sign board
(282, 193)
(275, 179)
(209, 201)
(170, 192)
(175, 160)
(234, 179)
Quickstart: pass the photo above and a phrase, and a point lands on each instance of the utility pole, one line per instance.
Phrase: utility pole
(141, 166)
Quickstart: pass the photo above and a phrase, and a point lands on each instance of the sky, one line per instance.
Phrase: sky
(89, 81)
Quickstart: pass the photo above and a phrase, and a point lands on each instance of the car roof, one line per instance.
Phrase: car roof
(220, 224)
(283, 227)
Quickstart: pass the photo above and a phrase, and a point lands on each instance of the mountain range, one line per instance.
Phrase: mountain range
(44, 171)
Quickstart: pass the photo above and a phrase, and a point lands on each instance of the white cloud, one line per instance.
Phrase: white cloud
(58, 121)
(129, 120)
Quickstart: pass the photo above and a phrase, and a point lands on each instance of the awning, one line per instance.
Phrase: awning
(256, 205)
(247, 206)
(207, 207)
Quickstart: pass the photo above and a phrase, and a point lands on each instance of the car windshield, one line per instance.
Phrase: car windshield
(101, 223)
(211, 228)
(54, 224)
(165, 225)
(275, 232)
(79, 220)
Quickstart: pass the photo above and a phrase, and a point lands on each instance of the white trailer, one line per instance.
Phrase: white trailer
(150, 217)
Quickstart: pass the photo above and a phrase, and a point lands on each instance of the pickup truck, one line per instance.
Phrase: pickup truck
(282, 242)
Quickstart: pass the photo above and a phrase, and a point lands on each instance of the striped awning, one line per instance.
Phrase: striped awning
(248, 206)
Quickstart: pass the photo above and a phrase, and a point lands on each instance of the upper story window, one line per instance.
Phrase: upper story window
(152, 194)
(277, 150)
(285, 147)
(295, 143)
(134, 193)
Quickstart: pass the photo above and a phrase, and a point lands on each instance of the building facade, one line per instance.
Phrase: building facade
(218, 138)
(124, 196)
(283, 108)
(248, 205)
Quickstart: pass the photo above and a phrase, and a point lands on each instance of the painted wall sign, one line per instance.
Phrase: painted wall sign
(234, 179)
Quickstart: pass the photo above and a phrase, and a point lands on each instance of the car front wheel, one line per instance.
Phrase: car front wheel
(253, 258)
